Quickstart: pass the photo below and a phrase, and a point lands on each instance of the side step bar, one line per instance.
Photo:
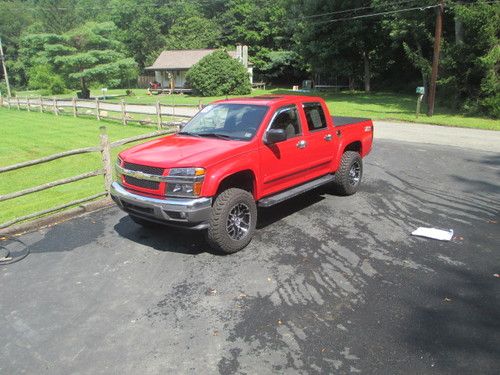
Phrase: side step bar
(297, 190)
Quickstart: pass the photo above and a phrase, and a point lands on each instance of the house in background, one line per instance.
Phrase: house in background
(170, 67)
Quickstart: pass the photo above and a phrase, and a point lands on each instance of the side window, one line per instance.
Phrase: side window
(288, 120)
(315, 116)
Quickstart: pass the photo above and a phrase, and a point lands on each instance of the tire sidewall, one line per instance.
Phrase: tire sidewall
(342, 184)
(217, 232)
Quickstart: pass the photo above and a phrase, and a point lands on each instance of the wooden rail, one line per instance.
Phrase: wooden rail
(155, 113)
(104, 148)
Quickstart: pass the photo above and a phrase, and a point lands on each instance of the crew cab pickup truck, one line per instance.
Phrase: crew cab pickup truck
(236, 155)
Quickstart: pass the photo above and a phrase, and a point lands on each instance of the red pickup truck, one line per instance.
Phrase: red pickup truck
(235, 155)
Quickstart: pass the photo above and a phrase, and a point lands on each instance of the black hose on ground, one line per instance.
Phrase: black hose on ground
(5, 254)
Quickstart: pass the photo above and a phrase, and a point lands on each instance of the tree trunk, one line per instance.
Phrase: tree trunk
(351, 83)
(459, 28)
(366, 63)
(85, 90)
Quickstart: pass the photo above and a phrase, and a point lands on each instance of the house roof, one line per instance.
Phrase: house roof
(182, 59)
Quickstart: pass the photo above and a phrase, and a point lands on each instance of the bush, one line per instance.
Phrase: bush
(3, 88)
(43, 78)
(218, 74)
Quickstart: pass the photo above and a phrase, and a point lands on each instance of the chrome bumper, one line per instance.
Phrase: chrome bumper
(186, 212)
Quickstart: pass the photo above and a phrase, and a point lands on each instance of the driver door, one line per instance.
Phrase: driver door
(283, 164)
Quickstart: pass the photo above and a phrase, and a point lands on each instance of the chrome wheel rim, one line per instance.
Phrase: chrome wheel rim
(238, 221)
(355, 173)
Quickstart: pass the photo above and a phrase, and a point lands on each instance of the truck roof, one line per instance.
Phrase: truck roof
(271, 99)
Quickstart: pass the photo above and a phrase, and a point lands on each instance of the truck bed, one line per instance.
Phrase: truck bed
(342, 120)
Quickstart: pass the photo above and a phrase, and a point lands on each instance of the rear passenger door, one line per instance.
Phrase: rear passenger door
(320, 139)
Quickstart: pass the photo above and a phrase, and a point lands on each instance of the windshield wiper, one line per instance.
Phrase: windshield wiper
(188, 133)
(216, 135)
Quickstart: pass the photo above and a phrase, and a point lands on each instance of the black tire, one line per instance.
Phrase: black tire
(143, 222)
(224, 227)
(348, 176)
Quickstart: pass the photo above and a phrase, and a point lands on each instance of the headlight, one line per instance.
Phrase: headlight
(185, 182)
(187, 172)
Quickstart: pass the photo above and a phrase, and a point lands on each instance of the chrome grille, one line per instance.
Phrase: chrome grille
(146, 184)
(143, 168)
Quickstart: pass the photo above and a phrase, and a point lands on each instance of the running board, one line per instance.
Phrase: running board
(297, 190)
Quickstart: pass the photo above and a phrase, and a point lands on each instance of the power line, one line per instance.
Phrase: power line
(375, 14)
(356, 9)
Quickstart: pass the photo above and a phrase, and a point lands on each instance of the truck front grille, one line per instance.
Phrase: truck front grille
(144, 168)
(146, 184)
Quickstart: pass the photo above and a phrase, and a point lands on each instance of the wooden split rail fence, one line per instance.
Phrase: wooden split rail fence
(104, 148)
(152, 114)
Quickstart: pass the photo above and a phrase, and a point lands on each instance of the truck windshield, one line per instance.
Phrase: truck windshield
(226, 121)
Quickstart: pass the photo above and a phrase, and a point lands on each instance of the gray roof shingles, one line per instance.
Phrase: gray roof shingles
(181, 59)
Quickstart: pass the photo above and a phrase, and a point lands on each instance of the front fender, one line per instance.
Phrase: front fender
(218, 172)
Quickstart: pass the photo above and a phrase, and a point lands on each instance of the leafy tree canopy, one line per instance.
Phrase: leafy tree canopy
(89, 53)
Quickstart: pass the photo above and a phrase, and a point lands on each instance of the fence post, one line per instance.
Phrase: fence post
(75, 113)
(41, 104)
(18, 106)
(8, 101)
(97, 114)
(106, 159)
(28, 104)
(1, 101)
(158, 113)
(124, 113)
(54, 106)
(200, 105)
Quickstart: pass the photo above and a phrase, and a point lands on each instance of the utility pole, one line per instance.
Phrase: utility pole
(2, 57)
(435, 60)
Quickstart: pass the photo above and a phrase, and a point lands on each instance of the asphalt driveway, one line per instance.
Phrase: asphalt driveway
(329, 284)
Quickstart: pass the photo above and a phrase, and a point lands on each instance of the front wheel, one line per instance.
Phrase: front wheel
(232, 221)
(348, 176)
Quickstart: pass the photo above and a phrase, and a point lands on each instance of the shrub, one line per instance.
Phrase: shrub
(43, 78)
(218, 74)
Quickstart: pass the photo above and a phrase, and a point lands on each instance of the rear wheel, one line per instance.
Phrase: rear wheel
(232, 221)
(348, 176)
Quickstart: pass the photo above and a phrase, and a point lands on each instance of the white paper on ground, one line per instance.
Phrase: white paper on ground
(437, 234)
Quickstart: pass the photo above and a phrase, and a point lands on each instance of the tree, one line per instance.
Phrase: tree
(89, 53)
(219, 74)
(42, 77)
(192, 33)
(414, 32)
(15, 17)
(336, 48)
(470, 65)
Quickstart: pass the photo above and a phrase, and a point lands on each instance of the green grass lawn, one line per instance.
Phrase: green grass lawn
(27, 136)
(378, 106)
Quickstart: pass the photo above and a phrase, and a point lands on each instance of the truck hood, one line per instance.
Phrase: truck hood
(183, 151)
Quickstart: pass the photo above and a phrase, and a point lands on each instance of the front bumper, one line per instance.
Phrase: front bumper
(190, 213)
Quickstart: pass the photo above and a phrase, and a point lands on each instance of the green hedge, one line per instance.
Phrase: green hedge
(218, 74)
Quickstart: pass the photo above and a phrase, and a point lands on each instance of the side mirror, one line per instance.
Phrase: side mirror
(275, 136)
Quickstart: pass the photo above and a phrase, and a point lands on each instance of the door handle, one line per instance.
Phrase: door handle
(328, 137)
(301, 144)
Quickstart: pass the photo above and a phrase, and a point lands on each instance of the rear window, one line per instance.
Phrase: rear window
(315, 116)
